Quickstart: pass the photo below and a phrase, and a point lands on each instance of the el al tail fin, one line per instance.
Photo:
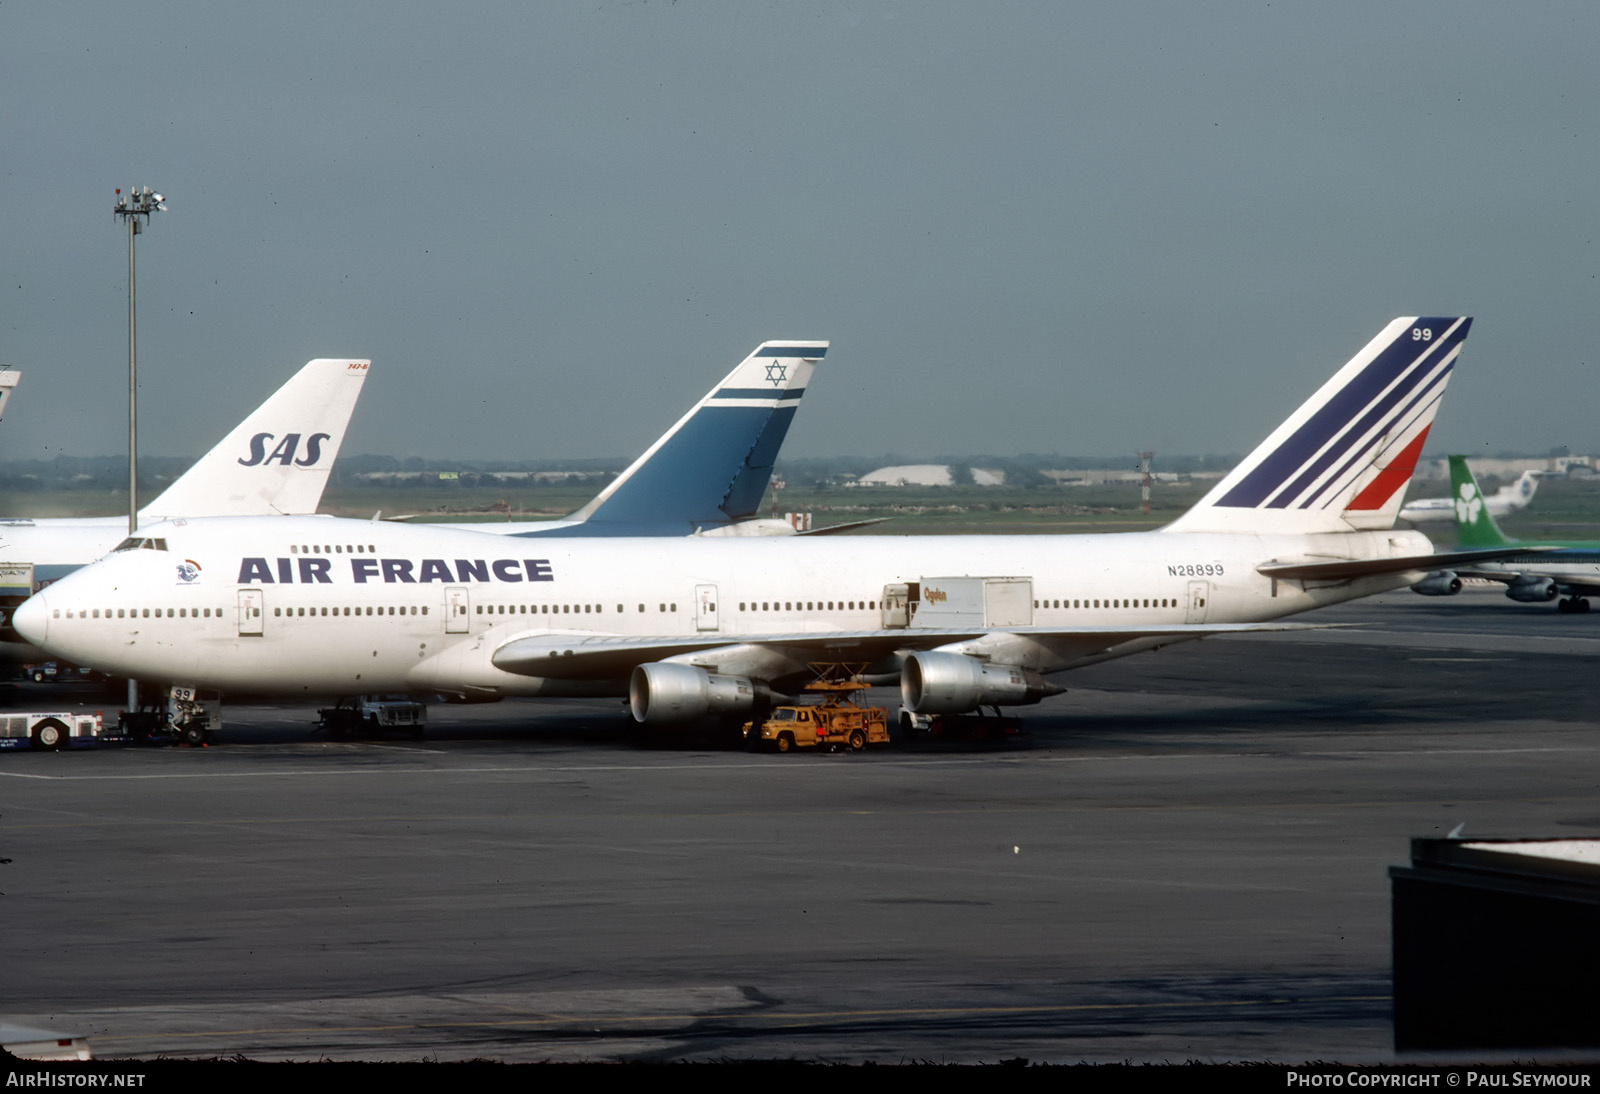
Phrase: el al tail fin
(277, 460)
(1342, 461)
(712, 467)
(1475, 527)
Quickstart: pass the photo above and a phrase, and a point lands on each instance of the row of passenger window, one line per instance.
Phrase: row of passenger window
(335, 549)
(138, 613)
(298, 613)
(557, 609)
(1147, 602)
(809, 605)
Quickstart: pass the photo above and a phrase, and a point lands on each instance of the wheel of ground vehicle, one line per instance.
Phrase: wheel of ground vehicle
(192, 733)
(50, 734)
(858, 740)
(785, 741)
(38, 677)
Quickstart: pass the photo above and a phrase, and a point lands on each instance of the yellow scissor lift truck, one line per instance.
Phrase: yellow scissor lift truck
(836, 722)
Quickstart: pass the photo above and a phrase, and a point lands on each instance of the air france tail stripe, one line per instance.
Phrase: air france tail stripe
(1327, 431)
(1364, 428)
(1421, 407)
(1393, 477)
(808, 352)
(1330, 433)
(789, 395)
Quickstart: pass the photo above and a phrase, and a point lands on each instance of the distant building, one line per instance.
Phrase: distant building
(928, 474)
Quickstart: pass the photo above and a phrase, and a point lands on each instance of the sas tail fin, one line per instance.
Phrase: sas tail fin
(8, 380)
(1342, 461)
(1475, 527)
(277, 460)
(712, 467)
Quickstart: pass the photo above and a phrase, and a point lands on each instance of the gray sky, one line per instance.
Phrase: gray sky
(1025, 227)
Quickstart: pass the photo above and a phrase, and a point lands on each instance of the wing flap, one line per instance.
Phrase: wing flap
(587, 657)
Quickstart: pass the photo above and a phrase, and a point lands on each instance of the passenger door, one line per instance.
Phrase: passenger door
(705, 608)
(457, 609)
(251, 602)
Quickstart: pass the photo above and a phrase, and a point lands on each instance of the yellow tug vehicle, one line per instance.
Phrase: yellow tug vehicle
(834, 723)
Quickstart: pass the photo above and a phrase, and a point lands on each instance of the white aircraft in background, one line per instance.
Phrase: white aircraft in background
(690, 626)
(276, 461)
(1508, 499)
(8, 380)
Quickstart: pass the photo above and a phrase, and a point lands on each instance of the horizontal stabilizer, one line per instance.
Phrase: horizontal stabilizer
(1345, 569)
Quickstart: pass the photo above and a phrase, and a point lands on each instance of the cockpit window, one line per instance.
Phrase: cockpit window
(141, 543)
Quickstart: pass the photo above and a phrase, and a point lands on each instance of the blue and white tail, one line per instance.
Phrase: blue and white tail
(1342, 461)
(712, 467)
(277, 460)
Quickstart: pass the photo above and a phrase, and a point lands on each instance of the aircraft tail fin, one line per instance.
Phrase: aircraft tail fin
(712, 467)
(8, 380)
(277, 460)
(1520, 493)
(1475, 526)
(1343, 460)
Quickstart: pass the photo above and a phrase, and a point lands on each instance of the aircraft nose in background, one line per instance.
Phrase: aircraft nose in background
(32, 619)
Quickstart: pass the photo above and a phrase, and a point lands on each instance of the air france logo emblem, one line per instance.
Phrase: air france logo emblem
(188, 571)
(286, 450)
(777, 373)
(1469, 504)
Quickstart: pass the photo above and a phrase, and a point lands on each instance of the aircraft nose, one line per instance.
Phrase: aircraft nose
(32, 619)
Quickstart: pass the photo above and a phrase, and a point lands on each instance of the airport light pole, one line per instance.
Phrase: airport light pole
(139, 201)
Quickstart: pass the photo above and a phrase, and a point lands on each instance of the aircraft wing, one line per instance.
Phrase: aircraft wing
(1570, 584)
(583, 656)
(1345, 569)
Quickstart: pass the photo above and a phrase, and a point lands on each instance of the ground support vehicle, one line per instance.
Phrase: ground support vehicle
(187, 715)
(834, 723)
(54, 730)
(57, 672)
(374, 714)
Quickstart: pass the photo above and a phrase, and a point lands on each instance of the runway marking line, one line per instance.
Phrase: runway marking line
(802, 767)
(784, 1021)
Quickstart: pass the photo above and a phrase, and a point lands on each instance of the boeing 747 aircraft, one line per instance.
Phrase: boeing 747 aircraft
(690, 626)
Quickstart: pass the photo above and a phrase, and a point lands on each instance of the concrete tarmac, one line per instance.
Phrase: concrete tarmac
(1184, 859)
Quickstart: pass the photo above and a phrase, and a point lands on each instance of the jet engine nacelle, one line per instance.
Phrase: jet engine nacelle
(664, 693)
(1438, 583)
(1532, 590)
(937, 682)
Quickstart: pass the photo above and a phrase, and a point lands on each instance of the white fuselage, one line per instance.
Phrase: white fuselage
(310, 606)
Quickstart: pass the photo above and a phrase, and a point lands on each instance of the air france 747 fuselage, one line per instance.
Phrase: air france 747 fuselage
(697, 625)
(228, 603)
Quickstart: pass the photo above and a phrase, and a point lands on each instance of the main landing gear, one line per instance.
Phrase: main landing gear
(1572, 604)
